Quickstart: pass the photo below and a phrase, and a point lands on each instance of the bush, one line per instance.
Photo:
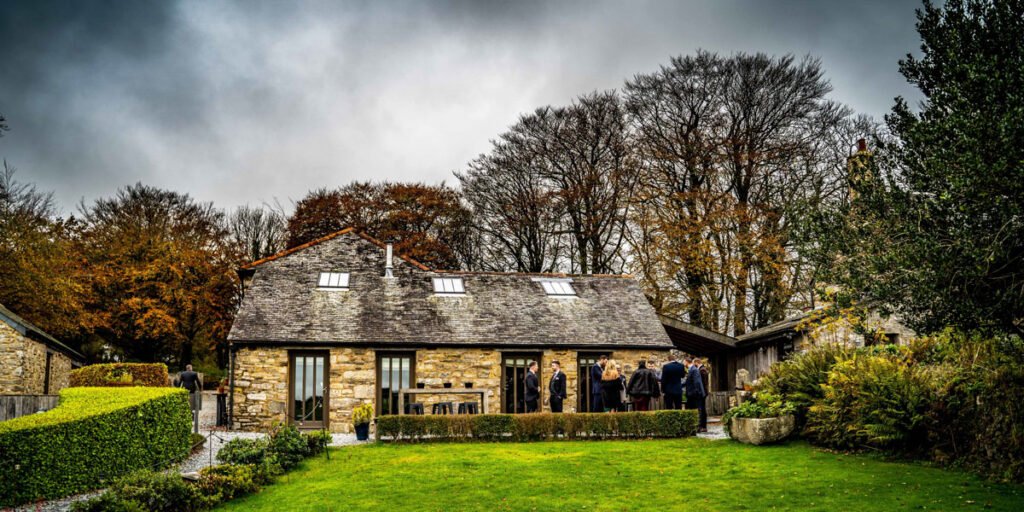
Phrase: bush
(799, 379)
(225, 482)
(121, 375)
(284, 448)
(93, 436)
(148, 490)
(538, 427)
(874, 402)
(980, 419)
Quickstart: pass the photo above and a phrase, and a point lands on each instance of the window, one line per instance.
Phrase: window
(558, 287)
(513, 380)
(585, 362)
(448, 285)
(334, 280)
(395, 371)
(308, 372)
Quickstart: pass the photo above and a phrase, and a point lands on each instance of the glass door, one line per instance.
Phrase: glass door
(584, 364)
(309, 389)
(513, 379)
(395, 371)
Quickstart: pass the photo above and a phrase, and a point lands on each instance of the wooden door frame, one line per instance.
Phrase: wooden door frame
(326, 354)
(535, 356)
(378, 388)
(582, 377)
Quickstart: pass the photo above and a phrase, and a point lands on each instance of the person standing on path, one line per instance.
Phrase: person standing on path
(642, 387)
(596, 371)
(694, 387)
(190, 381)
(672, 383)
(705, 380)
(611, 387)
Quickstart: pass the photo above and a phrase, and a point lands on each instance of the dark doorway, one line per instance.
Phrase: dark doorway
(513, 380)
(395, 371)
(46, 377)
(308, 373)
(584, 363)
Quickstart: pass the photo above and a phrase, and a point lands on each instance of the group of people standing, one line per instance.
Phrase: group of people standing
(609, 388)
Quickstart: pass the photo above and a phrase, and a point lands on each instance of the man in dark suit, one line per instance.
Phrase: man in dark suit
(596, 371)
(532, 395)
(190, 381)
(556, 387)
(672, 383)
(694, 386)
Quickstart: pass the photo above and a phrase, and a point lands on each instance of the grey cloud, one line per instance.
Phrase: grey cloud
(244, 102)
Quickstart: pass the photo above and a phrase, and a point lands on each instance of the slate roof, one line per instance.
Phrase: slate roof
(28, 329)
(282, 304)
(771, 332)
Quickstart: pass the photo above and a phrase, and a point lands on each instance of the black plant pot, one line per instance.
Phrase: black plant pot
(447, 385)
(421, 385)
(363, 432)
(469, 385)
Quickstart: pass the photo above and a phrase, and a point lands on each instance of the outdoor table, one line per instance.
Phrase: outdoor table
(442, 391)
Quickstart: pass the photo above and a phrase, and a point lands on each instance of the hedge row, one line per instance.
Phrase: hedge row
(91, 437)
(538, 427)
(121, 375)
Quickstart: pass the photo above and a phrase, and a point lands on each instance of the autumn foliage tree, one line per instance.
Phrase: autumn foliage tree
(40, 277)
(427, 223)
(161, 273)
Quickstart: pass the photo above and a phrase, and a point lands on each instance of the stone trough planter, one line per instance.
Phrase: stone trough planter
(762, 430)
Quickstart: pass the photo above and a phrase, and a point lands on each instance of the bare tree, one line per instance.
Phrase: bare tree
(257, 232)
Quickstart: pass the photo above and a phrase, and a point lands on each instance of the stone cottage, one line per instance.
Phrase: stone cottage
(339, 321)
(31, 361)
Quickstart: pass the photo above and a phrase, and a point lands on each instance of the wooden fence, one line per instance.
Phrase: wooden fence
(717, 403)
(12, 406)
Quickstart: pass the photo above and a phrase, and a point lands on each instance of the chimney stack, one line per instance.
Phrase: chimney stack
(862, 145)
(388, 267)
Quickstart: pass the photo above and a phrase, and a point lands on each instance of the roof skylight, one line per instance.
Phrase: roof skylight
(336, 280)
(449, 285)
(555, 287)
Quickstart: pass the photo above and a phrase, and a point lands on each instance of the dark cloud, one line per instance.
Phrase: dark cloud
(250, 101)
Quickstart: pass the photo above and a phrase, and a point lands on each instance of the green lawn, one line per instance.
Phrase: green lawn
(686, 474)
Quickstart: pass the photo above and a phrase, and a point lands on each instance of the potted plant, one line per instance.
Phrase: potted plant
(766, 418)
(361, 417)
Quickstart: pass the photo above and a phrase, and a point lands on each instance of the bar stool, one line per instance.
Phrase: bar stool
(414, 409)
(468, 408)
(443, 408)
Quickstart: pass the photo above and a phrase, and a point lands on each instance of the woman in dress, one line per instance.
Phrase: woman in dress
(611, 387)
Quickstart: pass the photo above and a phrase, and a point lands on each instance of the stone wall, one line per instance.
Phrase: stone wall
(23, 365)
(261, 388)
(261, 380)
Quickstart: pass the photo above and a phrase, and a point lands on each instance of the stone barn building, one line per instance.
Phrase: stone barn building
(31, 361)
(338, 322)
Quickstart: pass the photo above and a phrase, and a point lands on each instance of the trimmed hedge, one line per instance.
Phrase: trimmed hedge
(121, 375)
(539, 426)
(91, 437)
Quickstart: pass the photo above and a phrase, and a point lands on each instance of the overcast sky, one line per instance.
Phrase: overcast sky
(245, 102)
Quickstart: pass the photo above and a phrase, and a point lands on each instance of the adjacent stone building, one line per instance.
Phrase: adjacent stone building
(31, 361)
(338, 322)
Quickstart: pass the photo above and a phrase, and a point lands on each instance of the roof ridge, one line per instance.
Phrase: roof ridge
(533, 274)
(317, 241)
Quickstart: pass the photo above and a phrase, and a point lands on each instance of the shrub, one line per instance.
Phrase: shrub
(149, 490)
(225, 482)
(763, 405)
(121, 375)
(874, 402)
(317, 441)
(244, 451)
(93, 436)
(799, 379)
(288, 446)
(538, 427)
